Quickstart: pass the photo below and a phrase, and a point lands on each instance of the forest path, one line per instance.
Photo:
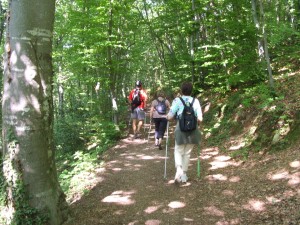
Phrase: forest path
(132, 189)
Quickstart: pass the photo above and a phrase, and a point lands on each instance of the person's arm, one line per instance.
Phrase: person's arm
(130, 97)
(152, 109)
(199, 112)
(173, 110)
(151, 112)
(144, 96)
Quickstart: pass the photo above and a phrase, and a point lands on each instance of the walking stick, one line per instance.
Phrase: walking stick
(145, 120)
(149, 130)
(198, 162)
(167, 143)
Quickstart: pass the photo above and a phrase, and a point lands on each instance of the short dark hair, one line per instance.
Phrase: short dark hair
(186, 88)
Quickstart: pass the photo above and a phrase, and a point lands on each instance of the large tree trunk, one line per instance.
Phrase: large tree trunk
(28, 149)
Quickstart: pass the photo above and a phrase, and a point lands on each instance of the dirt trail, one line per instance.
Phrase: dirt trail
(132, 189)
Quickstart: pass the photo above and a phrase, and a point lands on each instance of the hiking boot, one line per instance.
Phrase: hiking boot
(178, 175)
(159, 147)
(184, 178)
(138, 135)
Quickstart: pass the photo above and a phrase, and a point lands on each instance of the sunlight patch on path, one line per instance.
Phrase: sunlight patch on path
(231, 222)
(215, 177)
(295, 164)
(208, 153)
(120, 198)
(255, 205)
(228, 193)
(293, 179)
(152, 209)
(176, 205)
(152, 222)
(223, 162)
(214, 211)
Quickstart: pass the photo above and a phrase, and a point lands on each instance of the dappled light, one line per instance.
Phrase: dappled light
(145, 157)
(120, 198)
(207, 153)
(188, 219)
(152, 222)
(231, 222)
(255, 205)
(213, 210)
(237, 146)
(222, 162)
(152, 209)
(234, 179)
(272, 200)
(228, 192)
(78, 149)
(132, 161)
(219, 182)
(293, 179)
(295, 164)
(217, 177)
(176, 205)
(279, 175)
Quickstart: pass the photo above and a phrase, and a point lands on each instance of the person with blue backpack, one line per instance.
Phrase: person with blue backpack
(158, 114)
(187, 110)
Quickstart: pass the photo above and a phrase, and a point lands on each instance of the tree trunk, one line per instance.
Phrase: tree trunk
(266, 51)
(28, 148)
(260, 48)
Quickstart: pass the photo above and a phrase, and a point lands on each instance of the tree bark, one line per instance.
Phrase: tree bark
(28, 149)
(266, 51)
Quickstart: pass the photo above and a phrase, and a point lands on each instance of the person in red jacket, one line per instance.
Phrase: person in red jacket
(138, 102)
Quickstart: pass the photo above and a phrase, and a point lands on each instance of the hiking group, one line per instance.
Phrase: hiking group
(185, 109)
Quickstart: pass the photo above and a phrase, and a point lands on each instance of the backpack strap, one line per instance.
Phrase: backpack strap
(192, 102)
(184, 102)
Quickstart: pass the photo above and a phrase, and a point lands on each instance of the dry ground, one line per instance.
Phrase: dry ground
(132, 190)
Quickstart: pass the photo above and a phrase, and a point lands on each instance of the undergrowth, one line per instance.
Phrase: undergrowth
(79, 154)
(254, 119)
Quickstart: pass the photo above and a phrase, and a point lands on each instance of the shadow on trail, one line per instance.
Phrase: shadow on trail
(132, 189)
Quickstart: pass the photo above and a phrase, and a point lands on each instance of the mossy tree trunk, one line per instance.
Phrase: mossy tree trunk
(29, 167)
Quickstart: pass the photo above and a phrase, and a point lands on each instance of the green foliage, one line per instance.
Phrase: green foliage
(242, 154)
(74, 161)
(260, 96)
(72, 167)
(67, 135)
(2, 188)
(24, 213)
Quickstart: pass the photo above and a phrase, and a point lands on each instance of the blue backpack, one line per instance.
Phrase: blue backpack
(161, 107)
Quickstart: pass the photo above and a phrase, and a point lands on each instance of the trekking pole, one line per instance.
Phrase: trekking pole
(167, 143)
(149, 130)
(145, 120)
(198, 162)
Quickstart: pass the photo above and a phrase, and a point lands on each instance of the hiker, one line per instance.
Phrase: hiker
(138, 101)
(184, 141)
(158, 114)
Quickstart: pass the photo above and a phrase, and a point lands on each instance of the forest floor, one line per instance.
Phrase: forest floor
(131, 188)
